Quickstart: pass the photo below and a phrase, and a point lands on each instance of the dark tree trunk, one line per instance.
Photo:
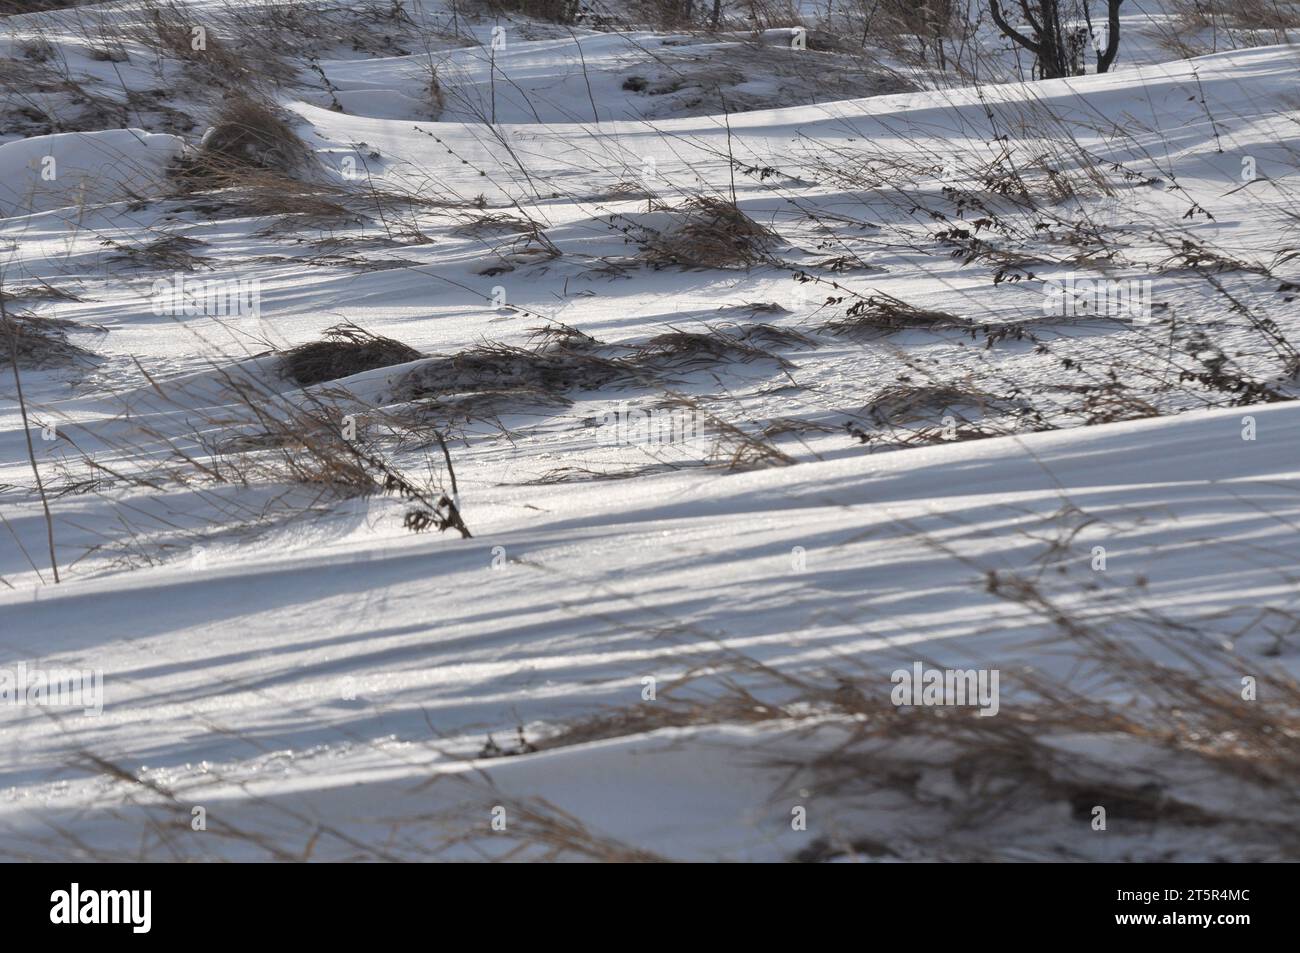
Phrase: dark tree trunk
(1049, 41)
(1107, 56)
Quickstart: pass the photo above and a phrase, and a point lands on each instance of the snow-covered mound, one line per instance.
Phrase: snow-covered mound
(78, 169)
(327, 690)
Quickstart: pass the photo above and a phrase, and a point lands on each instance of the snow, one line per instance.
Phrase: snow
(321, 681)
(75, 169)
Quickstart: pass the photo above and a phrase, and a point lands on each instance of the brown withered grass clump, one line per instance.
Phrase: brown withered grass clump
(252, 163)
(902, 405)
(39, 342)
(346, 350)
(710, 233)
(227, 53)
(561, 359)
(1144, 689)
(883, 313)
(250, 143)
(247, 135)
(172, 252)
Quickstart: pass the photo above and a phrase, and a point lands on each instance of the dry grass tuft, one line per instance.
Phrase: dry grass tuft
(1244, 15)
(883, 313)
(40, 292)
(315, 443)
(905, 404)
(909, 415)
(560, 359)
(40, 342)
(346, 350)
(684, 349)
(226, 53)
(248, 134)
(739, 450)
(772, 336)
(170, 252)
(1154, 689)
(282, 198)
(709, 233)
(479, 225)
(553, 368)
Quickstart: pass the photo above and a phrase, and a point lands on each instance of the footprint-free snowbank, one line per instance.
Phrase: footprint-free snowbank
(339, 678)
(82, 168)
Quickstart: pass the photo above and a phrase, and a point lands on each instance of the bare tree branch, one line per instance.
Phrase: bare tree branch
(996, 9)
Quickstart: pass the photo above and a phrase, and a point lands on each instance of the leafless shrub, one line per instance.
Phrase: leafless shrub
(433, 88)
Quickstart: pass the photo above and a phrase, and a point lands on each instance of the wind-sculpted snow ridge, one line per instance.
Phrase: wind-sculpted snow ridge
(266, 688)
(464, 436)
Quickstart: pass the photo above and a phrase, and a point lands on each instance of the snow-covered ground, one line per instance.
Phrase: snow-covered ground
(894, 446)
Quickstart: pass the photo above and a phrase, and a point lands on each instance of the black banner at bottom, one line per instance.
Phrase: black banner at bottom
(336, 902)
